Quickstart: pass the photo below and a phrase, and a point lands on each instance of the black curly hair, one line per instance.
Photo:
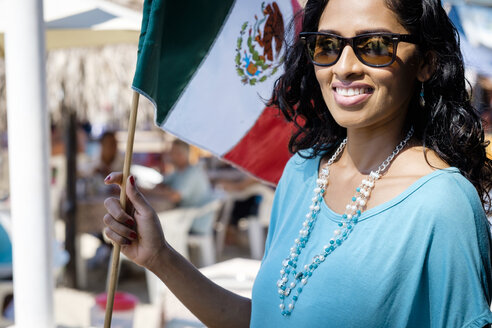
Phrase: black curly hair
(447, 123)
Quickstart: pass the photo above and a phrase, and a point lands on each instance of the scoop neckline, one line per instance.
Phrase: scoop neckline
(334, 216)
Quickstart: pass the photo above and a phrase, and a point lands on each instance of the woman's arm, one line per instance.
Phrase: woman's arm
(142, 241)
(212, 304)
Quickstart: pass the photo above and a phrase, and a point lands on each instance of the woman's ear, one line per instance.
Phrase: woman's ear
(427, 66)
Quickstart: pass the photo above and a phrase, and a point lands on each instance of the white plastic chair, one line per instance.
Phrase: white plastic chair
(205, 242)
(255, 224)
(176, 224)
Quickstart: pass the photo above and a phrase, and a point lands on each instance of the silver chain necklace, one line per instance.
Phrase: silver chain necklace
(292, 291)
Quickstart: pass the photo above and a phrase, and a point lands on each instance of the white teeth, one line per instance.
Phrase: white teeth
(349, 92)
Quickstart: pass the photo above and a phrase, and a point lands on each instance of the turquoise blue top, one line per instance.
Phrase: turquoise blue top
(420, 260)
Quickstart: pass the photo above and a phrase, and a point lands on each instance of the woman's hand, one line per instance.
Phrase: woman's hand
(139, 234)
(212, 304)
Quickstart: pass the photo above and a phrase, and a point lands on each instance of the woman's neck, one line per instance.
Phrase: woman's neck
(367, 148)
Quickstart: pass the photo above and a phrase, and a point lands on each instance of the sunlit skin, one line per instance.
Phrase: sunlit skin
(375, 124)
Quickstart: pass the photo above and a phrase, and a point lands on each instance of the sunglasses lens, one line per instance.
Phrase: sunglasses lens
(375, 50)
(323, 49)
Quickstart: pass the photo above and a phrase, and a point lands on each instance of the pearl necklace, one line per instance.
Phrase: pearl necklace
(345, 227)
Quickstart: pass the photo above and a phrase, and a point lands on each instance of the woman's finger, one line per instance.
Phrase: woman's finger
(114, 237)
(138, 200)
(120, 229)
(114, 178)
(114, 209)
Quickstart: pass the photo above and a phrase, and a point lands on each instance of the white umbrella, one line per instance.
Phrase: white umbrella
(80, 23)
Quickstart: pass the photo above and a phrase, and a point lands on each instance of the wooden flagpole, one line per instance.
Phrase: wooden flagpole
(113, 278)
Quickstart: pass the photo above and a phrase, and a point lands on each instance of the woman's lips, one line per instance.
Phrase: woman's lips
(352, 96)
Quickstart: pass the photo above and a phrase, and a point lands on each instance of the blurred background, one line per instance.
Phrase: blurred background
(89, 100)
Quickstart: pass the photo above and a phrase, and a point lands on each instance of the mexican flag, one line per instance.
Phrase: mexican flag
(209, 67)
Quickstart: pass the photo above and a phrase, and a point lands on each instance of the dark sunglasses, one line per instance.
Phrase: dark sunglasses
(374, 49)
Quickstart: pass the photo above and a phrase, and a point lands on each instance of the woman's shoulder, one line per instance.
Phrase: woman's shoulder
(448, 200)
(302, 165)
(449, 188)
(435, 183)
(297, 172)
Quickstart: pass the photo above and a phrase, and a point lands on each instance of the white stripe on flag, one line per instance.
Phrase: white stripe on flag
(216, 109)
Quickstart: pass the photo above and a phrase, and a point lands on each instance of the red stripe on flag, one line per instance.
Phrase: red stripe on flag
(263, 151)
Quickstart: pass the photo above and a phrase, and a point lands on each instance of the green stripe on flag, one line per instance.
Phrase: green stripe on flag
(175, 38)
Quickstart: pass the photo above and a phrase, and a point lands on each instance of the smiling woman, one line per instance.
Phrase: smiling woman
(379, 88)
(378, 219)
(390, 86)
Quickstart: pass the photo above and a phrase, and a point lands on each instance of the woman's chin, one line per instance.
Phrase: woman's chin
(349, 119)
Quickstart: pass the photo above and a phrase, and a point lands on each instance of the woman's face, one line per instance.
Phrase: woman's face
(386, 91)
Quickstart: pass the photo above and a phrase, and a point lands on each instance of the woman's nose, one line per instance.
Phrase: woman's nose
(348, 64)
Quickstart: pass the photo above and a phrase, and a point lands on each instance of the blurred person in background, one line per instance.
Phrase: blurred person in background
(187, 186)
(90, 184)
(110, 159)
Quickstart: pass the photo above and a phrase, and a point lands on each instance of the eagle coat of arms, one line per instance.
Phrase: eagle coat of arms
(267, 34)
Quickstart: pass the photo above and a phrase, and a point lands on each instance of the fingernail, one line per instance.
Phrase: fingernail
(108, 177)
(132, 180)
(130, 222)
(133, 235)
